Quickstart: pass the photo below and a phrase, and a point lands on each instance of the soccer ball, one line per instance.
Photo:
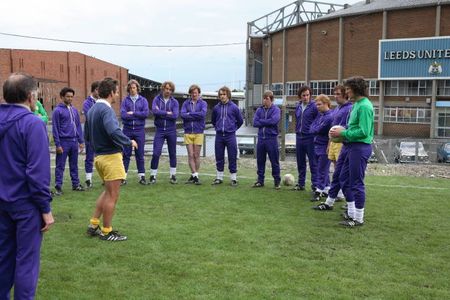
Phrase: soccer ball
(288, 180)
(334, 139)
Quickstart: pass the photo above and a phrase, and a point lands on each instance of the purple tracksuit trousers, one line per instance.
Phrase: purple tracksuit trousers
(323, 167)
(303, 148)
(89, 160)
(21, 231)
(158, 142)
(70, 148)
(139, 137)
(353, 171)
(268, 146)
(336, 182)
(226, 140)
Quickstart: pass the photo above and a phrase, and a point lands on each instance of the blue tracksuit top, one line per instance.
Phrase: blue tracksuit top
(102, 130)
(140, 110)
(341, 114)
(163, 121)
(226, 118)
(320, 128)
(266, 120)
(87, 104)
(25, 163)
(66, 124)
(193, 115)
(304, 119)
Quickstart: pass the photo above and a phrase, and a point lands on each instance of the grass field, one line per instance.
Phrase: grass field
(219, 242)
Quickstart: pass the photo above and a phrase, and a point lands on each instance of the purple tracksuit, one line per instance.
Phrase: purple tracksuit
(266, 120)
(67, 134)
(320, 128)
(305, 142)
(24, 197)
(226, 119)
(89, 160)
(193, 115)
(134, 129)
(340, 117)
(166, 129)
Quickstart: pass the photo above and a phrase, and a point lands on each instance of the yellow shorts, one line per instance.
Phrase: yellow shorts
(110, 166)
(193, 138)
(333, 151)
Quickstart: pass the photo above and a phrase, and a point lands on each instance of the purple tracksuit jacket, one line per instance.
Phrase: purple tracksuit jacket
(193, 115)
(226, 119)
(304, 142)
(320, 128)
(166, 129)
(266, 120)
(24, 196)
(136, 121)
(341, 114)
(67, 134)
(134, 128)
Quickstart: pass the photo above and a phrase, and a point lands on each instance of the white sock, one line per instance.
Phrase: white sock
(153, 172)
(326, 189)
(340, 194)
(126, 174)
(88, 176)
(351, 209)
(140, 175)
(359, 215)
(318, 190)
(195, 174)
(173, 171)
(219, 175)
(233, 176)
(330, 201)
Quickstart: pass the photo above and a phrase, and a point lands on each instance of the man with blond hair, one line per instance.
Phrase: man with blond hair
(165, 108)
(193, 113)
(134, 111)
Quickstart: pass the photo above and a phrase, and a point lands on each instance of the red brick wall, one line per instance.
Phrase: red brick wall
(277, 58)
(324, 50)
(361, 35)
(57, 69)
(295, 53)
(406, 130)
(411, 23)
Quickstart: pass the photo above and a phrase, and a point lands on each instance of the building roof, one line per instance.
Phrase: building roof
(373, 6)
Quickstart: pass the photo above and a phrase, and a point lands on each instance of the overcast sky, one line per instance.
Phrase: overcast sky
(170, 22)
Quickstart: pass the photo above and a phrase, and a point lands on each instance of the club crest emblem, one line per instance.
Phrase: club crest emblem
(435, 68)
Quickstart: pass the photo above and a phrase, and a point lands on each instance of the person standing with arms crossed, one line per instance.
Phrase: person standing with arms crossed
(165, 108)
(102, 131)
(134, 111)
(193, 113)
(305, 113)
(68, 138)
(227, 119)
(89, 160)
(266, 119)
(359, 137)
(25, 212)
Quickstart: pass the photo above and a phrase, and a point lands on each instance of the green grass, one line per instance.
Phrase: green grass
(219, 242)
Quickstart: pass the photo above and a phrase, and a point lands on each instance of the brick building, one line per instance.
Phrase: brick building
(323, 44)
(56, 69)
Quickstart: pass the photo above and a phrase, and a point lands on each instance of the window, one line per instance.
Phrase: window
(376, 113)
(443, 124)
(408, 88)
(277, 89)
(407, 115)
(293, 87)
(443, 88)
(374, 87)
(323, 87)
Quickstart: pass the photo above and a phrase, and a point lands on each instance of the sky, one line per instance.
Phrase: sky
(169, 22)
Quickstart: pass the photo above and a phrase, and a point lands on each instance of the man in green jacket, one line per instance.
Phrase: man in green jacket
(358, 139)
(40, 112)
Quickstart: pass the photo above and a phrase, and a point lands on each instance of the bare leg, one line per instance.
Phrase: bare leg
(197, 149)
(112, 189)
(191, 157)
(99, 206)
